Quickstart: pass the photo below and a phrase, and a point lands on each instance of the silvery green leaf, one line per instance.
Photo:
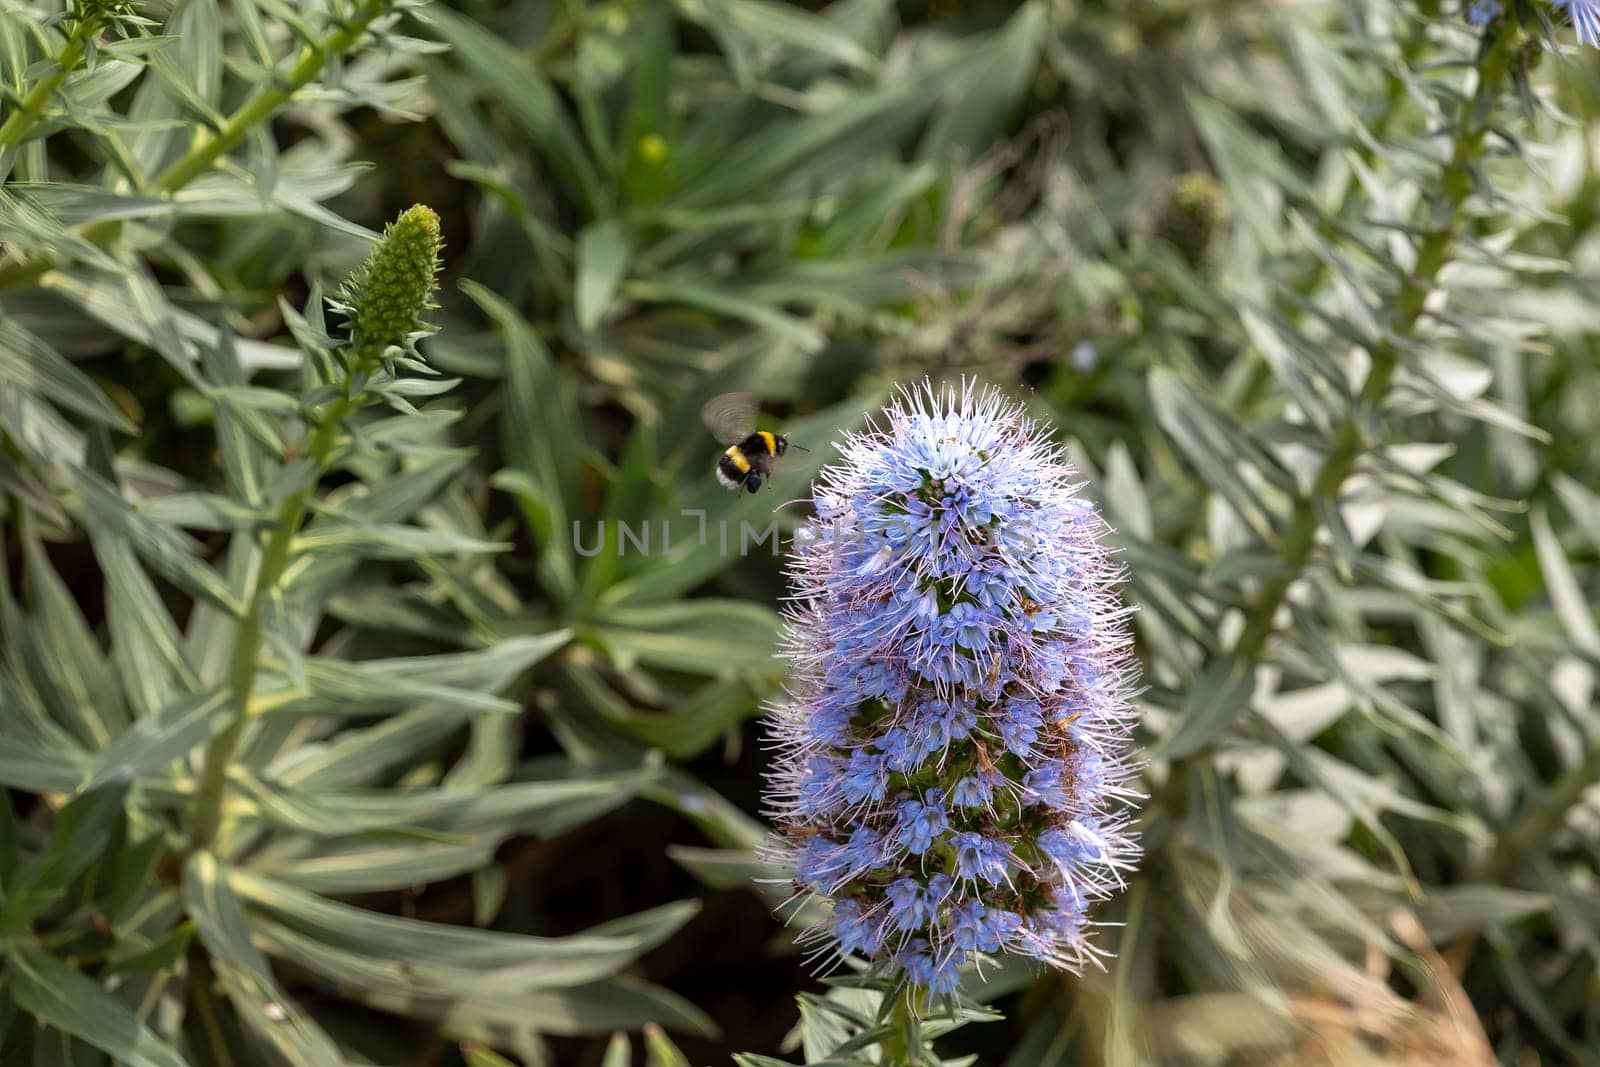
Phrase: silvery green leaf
(1450, 911)
(345, 868)
(162, 548)
(434, 959)
(64, 659)
(448, 815)
(525, 91)
(1566, 595)
(540, 437)
(267, 1012)
(1216, 701)
(599, 1007)
(707, 636)
(204, 511)
(981, 99)
(27, 763)
(603, 254)
(352, 538)
(159, 738)
(29, 363)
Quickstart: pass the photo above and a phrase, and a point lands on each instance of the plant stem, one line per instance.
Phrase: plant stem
(203, 999)
(903, 1046)
(27, 114)
(244, 661)
(1544, 815)
(1455, 186)
(211, 145)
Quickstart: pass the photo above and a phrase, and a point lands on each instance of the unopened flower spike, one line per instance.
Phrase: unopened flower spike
(953, 769)
(385, 298)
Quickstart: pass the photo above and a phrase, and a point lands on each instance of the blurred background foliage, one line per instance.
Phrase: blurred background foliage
(1305, 288)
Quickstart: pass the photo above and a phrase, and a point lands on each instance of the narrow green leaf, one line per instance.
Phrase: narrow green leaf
(515, 81)
(1217, 700)
(266, 1011)
(1566, 593)
(539, 808)
(65, 657)
(465, 680)
(978, 106)
(1217, 449)
(1448, 912)
(706, 635)
(659, 1049)
(604, 252)
(59, 996)
(156, 740)
(406, 955)
(146, 646)
(29, 363)
(83, 830)
(541, 438)
(160, 547)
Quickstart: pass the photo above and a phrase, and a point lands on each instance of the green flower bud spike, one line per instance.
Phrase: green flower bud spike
(385, 298)
(1195, 209)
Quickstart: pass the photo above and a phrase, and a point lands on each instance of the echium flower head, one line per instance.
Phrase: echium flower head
(953, 754)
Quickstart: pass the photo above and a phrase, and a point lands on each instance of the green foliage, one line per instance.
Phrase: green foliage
(328, 655)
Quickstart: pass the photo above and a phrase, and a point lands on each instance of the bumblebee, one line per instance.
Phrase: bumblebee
(747, 463)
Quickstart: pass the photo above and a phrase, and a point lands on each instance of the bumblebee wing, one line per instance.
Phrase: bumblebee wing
(731, 417)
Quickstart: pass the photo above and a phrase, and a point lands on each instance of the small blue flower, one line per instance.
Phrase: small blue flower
(940, 974)
(922, 821)
(856, 931)
(943, 723)
(973, 791)
(818, 863)
(865, 777)
(915, 905)
(900, 751)
(1045, 786)
(830, 725)
(1019, 724)
(1483, 12)
(972, 926)
(1074, 843)
(820, 786)
(966, 626)
(866, 850)
(980, 858)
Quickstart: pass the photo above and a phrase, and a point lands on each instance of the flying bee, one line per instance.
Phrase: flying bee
(751, 453)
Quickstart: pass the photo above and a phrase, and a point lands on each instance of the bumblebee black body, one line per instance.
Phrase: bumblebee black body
(747, 464)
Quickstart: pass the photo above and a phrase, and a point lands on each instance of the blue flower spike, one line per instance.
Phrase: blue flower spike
(953, 769)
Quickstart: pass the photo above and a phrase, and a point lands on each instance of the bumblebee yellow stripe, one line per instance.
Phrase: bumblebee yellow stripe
(737, 455)
(772, 445)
